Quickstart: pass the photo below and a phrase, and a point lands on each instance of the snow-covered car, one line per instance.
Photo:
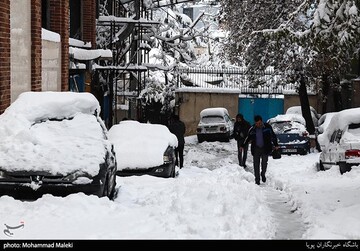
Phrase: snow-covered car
(144, 148)
(297, 110)
(215, 125)
(293, 138)
(55, 142)
(340, 142)
(323, 123)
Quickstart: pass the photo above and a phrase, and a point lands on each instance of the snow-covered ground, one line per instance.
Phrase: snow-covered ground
(211, 198)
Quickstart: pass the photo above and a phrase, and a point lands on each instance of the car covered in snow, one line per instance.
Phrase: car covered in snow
(55, 142)
(323, 123)
(340, 142)
(293, 138)
(144, 148)
(215, 125)
(297, 110)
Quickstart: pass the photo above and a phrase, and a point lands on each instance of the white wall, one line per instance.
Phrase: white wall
(51, 66)
(20, 36)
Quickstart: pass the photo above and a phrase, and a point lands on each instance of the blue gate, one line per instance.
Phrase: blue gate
(265, 107)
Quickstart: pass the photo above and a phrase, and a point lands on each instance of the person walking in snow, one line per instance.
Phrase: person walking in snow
(263, 139)
(178, 128)
(241, 128)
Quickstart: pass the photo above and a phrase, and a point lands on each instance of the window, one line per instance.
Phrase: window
(45, 14)
(336, 136)
(76, 19)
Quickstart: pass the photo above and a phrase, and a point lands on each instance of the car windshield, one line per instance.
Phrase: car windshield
(281, 127)
(212, 119)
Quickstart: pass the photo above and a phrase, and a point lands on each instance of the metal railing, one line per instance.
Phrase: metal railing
(232, 78)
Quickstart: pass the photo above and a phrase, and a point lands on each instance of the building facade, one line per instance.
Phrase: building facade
(34, 43)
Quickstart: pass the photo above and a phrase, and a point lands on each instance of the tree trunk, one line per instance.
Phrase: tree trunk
(305, 106)
(325, 93)
(338, 104)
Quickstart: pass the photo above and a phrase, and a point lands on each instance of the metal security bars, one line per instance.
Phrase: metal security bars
(232, 78)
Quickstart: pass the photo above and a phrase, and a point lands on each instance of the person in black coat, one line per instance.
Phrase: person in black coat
(263, 140)
(178, 128)
(241, 129)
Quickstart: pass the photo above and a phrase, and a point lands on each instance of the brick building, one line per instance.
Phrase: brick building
(34, 43)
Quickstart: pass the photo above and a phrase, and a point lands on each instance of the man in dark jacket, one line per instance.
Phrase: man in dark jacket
(241, 129)
(178, 128)
(263, 139)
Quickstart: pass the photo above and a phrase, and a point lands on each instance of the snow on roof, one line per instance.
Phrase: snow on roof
(36, 106)
(140, 145)
(208, 90)
(126, 20)
(287, 117)
(297, 109)
(50, 35)
(214, 111)
(29, 141)
(84, 54)
(77, 66)
(79, 43)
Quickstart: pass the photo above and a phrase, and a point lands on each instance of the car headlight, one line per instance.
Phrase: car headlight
(168, 155)
(2, 175)
(166, 158)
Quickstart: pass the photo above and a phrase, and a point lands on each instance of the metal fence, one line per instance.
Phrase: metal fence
(232, 78)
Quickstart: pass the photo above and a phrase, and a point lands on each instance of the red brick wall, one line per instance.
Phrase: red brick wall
(36, 45)
(59, 23)
(5, 97)
(89, 22)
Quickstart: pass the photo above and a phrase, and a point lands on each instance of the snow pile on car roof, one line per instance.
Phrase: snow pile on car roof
(140, 145)
(288, 117)
(340, 120)
(30, 141)
(214, 111)
(36, 106)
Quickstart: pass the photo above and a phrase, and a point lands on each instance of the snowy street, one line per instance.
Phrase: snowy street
(211, 198)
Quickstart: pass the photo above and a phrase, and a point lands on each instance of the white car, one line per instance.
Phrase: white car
(340, 142)
(324, 121)
(215, 125)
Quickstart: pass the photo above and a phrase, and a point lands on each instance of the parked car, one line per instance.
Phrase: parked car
(55, 142)
(215, 125)
(293, 138)
(323, 123)
(340, 142)
(297, 110)
(144, 148)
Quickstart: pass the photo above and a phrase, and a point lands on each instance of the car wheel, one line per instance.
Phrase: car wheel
(344, 167)
(109, 187)
(173, 172)
(321, 166)
(200, 139)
